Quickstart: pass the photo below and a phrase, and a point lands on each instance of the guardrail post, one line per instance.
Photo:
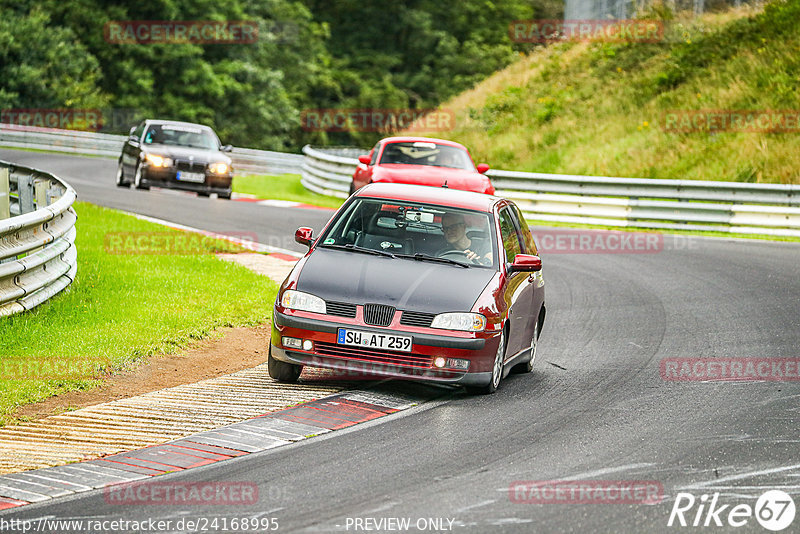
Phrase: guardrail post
(5, 198)
(40, 193)
(25, 194)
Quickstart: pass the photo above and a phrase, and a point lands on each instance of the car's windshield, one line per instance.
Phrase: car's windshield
(181, 135)
(415, 231)
(427, 153)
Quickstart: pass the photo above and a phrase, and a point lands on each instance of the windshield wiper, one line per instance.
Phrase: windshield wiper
(426, 257)
(354, 248)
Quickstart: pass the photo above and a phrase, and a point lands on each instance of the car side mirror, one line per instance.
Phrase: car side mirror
(226, 148)
(526, 263)
(133, 129)
(483, 167)
(365, 159)
(303, 235)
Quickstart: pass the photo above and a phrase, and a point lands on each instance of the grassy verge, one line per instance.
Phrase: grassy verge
(283, 187)
(600, 108)
(123, 308)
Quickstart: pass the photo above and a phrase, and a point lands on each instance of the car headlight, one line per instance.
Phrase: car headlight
(468, 322)
(218, 168)
(158, 161)
(297, 300)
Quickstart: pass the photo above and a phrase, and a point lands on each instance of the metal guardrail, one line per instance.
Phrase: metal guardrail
(38, 258)
(245, 160)
(768, 209)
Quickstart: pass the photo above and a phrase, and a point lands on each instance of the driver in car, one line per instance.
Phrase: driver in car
(454, 227)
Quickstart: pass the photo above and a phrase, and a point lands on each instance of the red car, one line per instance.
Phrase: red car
(421, 161)
(413, 282)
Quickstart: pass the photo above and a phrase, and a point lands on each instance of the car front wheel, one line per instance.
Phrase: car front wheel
(281, 371)
(138, 179)
(497, 370)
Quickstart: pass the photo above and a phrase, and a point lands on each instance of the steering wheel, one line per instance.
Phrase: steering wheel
(459, 253)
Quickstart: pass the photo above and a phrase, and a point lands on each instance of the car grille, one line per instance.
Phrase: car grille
(372, 355)
(340, 309)
(410, 318)
(183, 165)
(378, 314)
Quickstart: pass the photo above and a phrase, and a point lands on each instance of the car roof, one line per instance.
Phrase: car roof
(442, 196)
(406, 139)
(178, 123)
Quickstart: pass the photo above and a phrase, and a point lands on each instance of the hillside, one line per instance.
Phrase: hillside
(600, 108)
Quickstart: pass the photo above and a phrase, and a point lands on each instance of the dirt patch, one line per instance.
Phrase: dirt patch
(237, 349)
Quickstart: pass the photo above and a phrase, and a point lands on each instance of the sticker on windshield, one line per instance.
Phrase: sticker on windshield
(329, 241)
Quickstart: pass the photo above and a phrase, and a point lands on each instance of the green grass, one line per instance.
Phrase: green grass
(598, 108)
(283, 187)
(124, 308)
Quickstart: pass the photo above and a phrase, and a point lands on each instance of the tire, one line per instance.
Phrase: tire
(225, 196)
(121, 176)
(203, 194)
(138, 180)
(287, 373)
(527, 367)
(352, 188)
(497, 371)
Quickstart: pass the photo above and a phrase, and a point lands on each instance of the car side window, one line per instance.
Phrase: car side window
(528, 244)
(508, 231)
(375, 151)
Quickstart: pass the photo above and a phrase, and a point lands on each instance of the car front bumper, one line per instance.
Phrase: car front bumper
(357, 362)
(167, 177)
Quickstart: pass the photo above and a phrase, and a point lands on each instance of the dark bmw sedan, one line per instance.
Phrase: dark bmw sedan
(413, 282)
(178, 155)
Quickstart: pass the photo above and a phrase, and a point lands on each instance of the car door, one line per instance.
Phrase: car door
(131, 149)
(535, 278)
(518, 286)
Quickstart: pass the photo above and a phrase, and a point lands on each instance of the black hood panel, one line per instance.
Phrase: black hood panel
(342, 276)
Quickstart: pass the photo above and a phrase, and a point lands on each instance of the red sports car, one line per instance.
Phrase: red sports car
(413, 282)
(421, 161)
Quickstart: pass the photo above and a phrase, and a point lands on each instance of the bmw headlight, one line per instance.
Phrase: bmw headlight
(158, 161)
(468, 322)
(297, 300)
(218, 168)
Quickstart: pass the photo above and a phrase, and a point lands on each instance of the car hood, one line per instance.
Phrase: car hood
(199, 155)
(430, 175)
(422, 286)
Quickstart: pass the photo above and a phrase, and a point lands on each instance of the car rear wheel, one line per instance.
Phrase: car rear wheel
(138, 179)
(121, 176)
(497, 370)
(281, 371)
(527, 367)
(203, 194)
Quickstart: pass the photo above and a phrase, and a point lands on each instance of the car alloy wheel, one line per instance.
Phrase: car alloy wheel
(137, 179)
(497, 370)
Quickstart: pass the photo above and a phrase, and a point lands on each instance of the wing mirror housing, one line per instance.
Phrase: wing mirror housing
(483, 167)
(226, 148)
(526, 263)
(365, 159)
(303, 235)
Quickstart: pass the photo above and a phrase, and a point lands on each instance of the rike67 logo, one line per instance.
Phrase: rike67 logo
(774, 510)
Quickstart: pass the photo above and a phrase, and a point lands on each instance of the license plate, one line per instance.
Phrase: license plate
(372, 340)
(184, 176)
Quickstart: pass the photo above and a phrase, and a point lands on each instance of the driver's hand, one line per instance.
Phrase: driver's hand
(470, 255)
